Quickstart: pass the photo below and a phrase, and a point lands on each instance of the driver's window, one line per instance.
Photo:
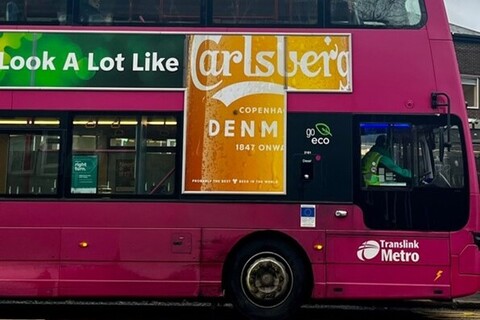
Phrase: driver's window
(386, 159)
(429, 180)
(397, 155)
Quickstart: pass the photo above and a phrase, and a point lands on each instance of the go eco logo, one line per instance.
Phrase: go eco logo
(323, 131)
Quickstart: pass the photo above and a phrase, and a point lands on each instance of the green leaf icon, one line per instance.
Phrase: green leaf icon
(323, 129)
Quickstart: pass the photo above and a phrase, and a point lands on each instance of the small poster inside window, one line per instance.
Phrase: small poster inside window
(84, 174)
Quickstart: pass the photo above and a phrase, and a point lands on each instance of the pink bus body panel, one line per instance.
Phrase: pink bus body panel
(127, 257)
(165, 249)
(99, 247)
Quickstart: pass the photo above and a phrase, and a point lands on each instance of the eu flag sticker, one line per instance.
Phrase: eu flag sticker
(307, 215)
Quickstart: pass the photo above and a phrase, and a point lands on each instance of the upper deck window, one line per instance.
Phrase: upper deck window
(204, 13)
(33, 11)
(265, 12)
(397, 13)
(145, 12)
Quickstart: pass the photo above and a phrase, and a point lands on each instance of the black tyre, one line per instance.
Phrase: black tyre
(268, 280)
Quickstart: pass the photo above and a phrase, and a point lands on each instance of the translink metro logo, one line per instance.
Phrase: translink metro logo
(389, 251)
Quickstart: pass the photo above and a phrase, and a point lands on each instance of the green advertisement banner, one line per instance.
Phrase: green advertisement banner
(84, 174)
(91, 60)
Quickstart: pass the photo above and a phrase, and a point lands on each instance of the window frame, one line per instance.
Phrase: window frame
(57, 185)
(68, 12)
(109, 190)
(426, 207)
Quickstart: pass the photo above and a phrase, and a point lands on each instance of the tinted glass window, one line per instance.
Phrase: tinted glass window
(265, 12)
(397, 13)
(33, 12)
(29, 156)
(144, 11)
(411, 173)
(124, 155)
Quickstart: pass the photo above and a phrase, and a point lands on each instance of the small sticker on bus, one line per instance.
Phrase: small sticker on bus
(307, 215)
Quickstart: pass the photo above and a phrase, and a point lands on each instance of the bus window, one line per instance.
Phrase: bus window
(95, 12)
(398, 13)
(422, 182)
(244, 11)
(32, 163)
(124, 155)
(45, 11)
(405, 154)
(160, 156)
(34, 12)
(303, 12)
(139, 11)
(12, 11)
(386, 154)
(179, 11)
(29, 156)
(448, 170)
(252, 13)
(265, 12)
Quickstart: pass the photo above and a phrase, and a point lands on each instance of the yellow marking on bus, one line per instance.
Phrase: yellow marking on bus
(439, 274)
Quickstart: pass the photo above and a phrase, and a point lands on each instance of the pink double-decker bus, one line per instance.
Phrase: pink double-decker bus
(268, 152)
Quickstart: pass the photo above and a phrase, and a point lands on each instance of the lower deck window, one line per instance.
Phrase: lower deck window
(29, 155)
(123, 155)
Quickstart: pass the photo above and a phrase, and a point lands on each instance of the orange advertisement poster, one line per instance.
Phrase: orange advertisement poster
(235, 118)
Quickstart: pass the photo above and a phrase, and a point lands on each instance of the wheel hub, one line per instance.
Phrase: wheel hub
(267, 279)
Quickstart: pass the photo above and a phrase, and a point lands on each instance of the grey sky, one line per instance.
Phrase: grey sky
(465, 13)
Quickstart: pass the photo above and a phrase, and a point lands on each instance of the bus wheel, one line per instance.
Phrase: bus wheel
(268, 280)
